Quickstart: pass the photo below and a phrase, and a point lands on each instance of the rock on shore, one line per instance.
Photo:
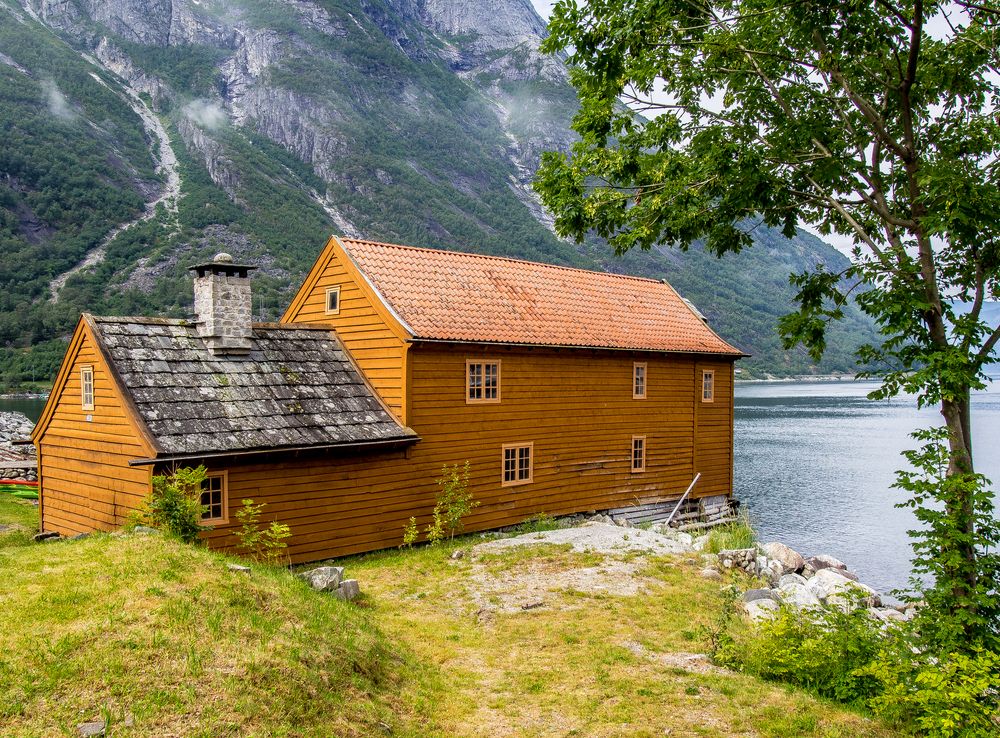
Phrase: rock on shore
(15, 427)
(804, 583)
(16, 462)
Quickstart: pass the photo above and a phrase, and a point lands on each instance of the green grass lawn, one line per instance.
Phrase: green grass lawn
(18, 521)
(159, 638)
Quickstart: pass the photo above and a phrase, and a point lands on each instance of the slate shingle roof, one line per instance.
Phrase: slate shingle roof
(296, 388)
(445, 295)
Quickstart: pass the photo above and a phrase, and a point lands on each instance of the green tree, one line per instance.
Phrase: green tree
(872, 120)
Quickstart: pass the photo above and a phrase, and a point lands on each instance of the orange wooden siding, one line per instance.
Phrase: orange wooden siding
(361, 325)
(86, 481)
(578, 410)
(576, 407)
(714, 431)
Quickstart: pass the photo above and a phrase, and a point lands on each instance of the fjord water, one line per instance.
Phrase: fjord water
(815, 462)
(30, 406)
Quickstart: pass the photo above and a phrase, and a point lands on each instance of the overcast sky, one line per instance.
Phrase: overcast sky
(543, 7)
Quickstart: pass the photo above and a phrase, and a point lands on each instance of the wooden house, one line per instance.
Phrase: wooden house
(565, 390)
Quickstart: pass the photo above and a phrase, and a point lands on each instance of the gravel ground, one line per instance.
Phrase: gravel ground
(532, 584)
(592, 537)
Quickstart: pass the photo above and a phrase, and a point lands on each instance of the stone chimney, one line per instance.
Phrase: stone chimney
(223, 305)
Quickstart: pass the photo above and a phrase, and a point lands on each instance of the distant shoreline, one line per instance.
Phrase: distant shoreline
(806, 378)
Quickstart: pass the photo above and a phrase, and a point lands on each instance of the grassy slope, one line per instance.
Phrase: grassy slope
(147, 632)
(162, 639)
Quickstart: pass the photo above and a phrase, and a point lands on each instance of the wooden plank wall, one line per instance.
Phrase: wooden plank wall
(713, 432)
(376, 349)
(576, 407)
(86, 481)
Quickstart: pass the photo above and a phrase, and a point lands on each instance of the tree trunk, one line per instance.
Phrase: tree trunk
(957, 418)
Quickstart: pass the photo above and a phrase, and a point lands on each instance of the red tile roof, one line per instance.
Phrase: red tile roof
(446, 295)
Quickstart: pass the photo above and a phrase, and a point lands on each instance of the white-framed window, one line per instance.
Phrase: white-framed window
(215, 498)
(639, 380)
(708, 385)
(518, 463)
(333, 300)
(482, 381)
(87, 387)
(638, 453)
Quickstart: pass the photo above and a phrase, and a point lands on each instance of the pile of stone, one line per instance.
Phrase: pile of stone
(26, 472)
(15, 427)
(804, 583)
(331, 579)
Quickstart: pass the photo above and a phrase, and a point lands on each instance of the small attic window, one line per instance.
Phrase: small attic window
(333, 300)
(87, 387)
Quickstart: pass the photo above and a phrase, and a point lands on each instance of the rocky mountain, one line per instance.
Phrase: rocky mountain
(142, 135)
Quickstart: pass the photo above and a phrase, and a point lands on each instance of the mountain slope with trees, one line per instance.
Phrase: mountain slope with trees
(420, 122)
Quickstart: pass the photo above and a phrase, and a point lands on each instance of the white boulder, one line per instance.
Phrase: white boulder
(791, 560)
(773, 572)
(792, 579)
(823, 561)
(836, 590)
(886, 614)
(797, 595)
(761, 609)
(349, 589)
(324, 578)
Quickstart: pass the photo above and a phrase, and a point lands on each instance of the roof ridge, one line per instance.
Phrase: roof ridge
(503, 258)
(145, 320)
(190, 323)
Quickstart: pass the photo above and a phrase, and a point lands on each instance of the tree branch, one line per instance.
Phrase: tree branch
(990, 344)
(863, 106)
(895, 11)
(988, 10)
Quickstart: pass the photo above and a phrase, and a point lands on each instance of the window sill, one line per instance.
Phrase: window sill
(517, 483)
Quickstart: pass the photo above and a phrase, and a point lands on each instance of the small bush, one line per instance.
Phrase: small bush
(265, 544)
(940, 698)
(735, 535)
(857, 660)
(454, 502)
(174, 506)
(824, 651)
(410, 534)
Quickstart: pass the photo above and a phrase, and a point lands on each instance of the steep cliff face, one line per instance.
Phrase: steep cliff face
(420, 121)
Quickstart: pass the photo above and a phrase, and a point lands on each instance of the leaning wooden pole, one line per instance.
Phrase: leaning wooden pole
(683, 497)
